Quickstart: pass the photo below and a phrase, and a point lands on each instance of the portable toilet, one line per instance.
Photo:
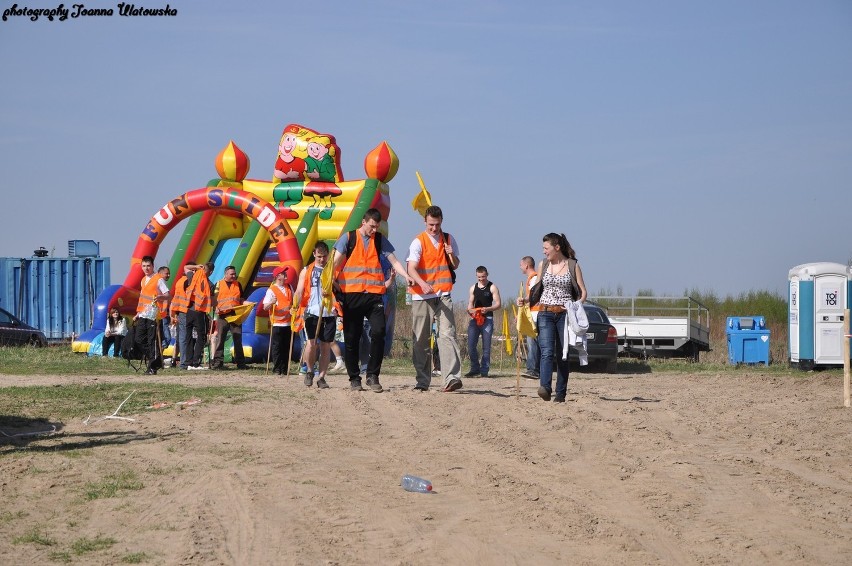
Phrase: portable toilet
(818, 297)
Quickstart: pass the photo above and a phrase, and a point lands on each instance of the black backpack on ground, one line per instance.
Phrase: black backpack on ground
(130, 348)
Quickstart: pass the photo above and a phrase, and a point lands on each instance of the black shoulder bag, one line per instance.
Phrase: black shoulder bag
(536, 290)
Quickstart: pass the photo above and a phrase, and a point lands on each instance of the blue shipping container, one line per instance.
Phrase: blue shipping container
(56, 295)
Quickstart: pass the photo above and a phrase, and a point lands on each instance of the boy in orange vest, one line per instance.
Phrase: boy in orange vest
(363, 284)
(229, 295)
(279, 302)
(198, 312)
(152, 290)
(533, 353)
(318, 328)
(177, 310)
(432, 258)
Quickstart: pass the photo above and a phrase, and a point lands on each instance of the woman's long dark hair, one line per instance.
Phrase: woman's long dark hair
(113, 322)
(560, 240)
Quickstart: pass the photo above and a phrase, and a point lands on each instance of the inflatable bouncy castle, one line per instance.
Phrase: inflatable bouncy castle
(257, 225)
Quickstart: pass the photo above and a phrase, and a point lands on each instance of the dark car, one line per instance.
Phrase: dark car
(14, 332)
(602, 341)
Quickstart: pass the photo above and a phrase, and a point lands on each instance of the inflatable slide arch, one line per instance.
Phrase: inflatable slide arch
(255, 226)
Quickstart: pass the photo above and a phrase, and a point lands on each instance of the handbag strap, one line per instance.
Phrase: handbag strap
(575, 286)
(542, 267)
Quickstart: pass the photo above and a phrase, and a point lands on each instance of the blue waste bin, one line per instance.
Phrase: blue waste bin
(748, 340)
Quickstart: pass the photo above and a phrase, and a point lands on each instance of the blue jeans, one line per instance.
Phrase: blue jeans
(182, 340)
(549, 325)
(180, 328)
(473, 334)
(165, 332)
(533, 356)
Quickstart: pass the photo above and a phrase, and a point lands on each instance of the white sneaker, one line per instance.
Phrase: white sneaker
(197, 367)
(339, 365)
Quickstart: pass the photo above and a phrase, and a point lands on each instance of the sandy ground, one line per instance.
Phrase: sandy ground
(740, 468)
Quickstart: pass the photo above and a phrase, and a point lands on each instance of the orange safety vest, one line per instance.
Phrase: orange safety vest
(180, 300)
(433, 267)
(148, 292)
(162, 308)
(199, 292)
(228, 297)
(306, 286)
(279, 313)
(307, 289)
(527, 293)
(363, 270)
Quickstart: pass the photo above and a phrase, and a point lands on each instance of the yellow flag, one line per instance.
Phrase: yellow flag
(241, 313)
(311, 240)
(326, 282)
(507, 338)
(423, 200)
(525, 325)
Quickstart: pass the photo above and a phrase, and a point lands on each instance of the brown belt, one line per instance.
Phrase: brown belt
(552, 308)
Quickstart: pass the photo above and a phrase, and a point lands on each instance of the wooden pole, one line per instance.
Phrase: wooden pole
(518, 378)
(315, 345)
(521, 351)
(847, 388)
(290, 353)
(271, 330)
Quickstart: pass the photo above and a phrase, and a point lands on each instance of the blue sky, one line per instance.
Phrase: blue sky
(678, 145)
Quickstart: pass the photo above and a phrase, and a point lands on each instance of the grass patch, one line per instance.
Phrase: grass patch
(85, 545)
(64, 557)
(135, 558)
(112, 484)
(57, 360)
(10, 516)
(159, 471)
(60, 360)
(34, 537)
(679, 365)
(65, 402)
(76, 454)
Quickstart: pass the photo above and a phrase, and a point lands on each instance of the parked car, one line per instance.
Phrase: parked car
(14, 332)
(602, 341)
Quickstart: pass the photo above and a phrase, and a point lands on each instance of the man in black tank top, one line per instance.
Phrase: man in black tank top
(483, 301)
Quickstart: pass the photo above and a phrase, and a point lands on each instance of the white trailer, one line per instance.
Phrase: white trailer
(671, 327)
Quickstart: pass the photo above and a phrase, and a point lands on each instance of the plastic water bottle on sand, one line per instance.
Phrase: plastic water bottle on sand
(413, 483)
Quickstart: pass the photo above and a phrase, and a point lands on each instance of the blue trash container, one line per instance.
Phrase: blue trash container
(748, 340)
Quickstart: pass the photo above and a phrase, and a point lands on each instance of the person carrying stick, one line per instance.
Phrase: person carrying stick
(278, 301)
(152, 290)
(432, 257)
(309, 296)
(229, 295)
(533, 354)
